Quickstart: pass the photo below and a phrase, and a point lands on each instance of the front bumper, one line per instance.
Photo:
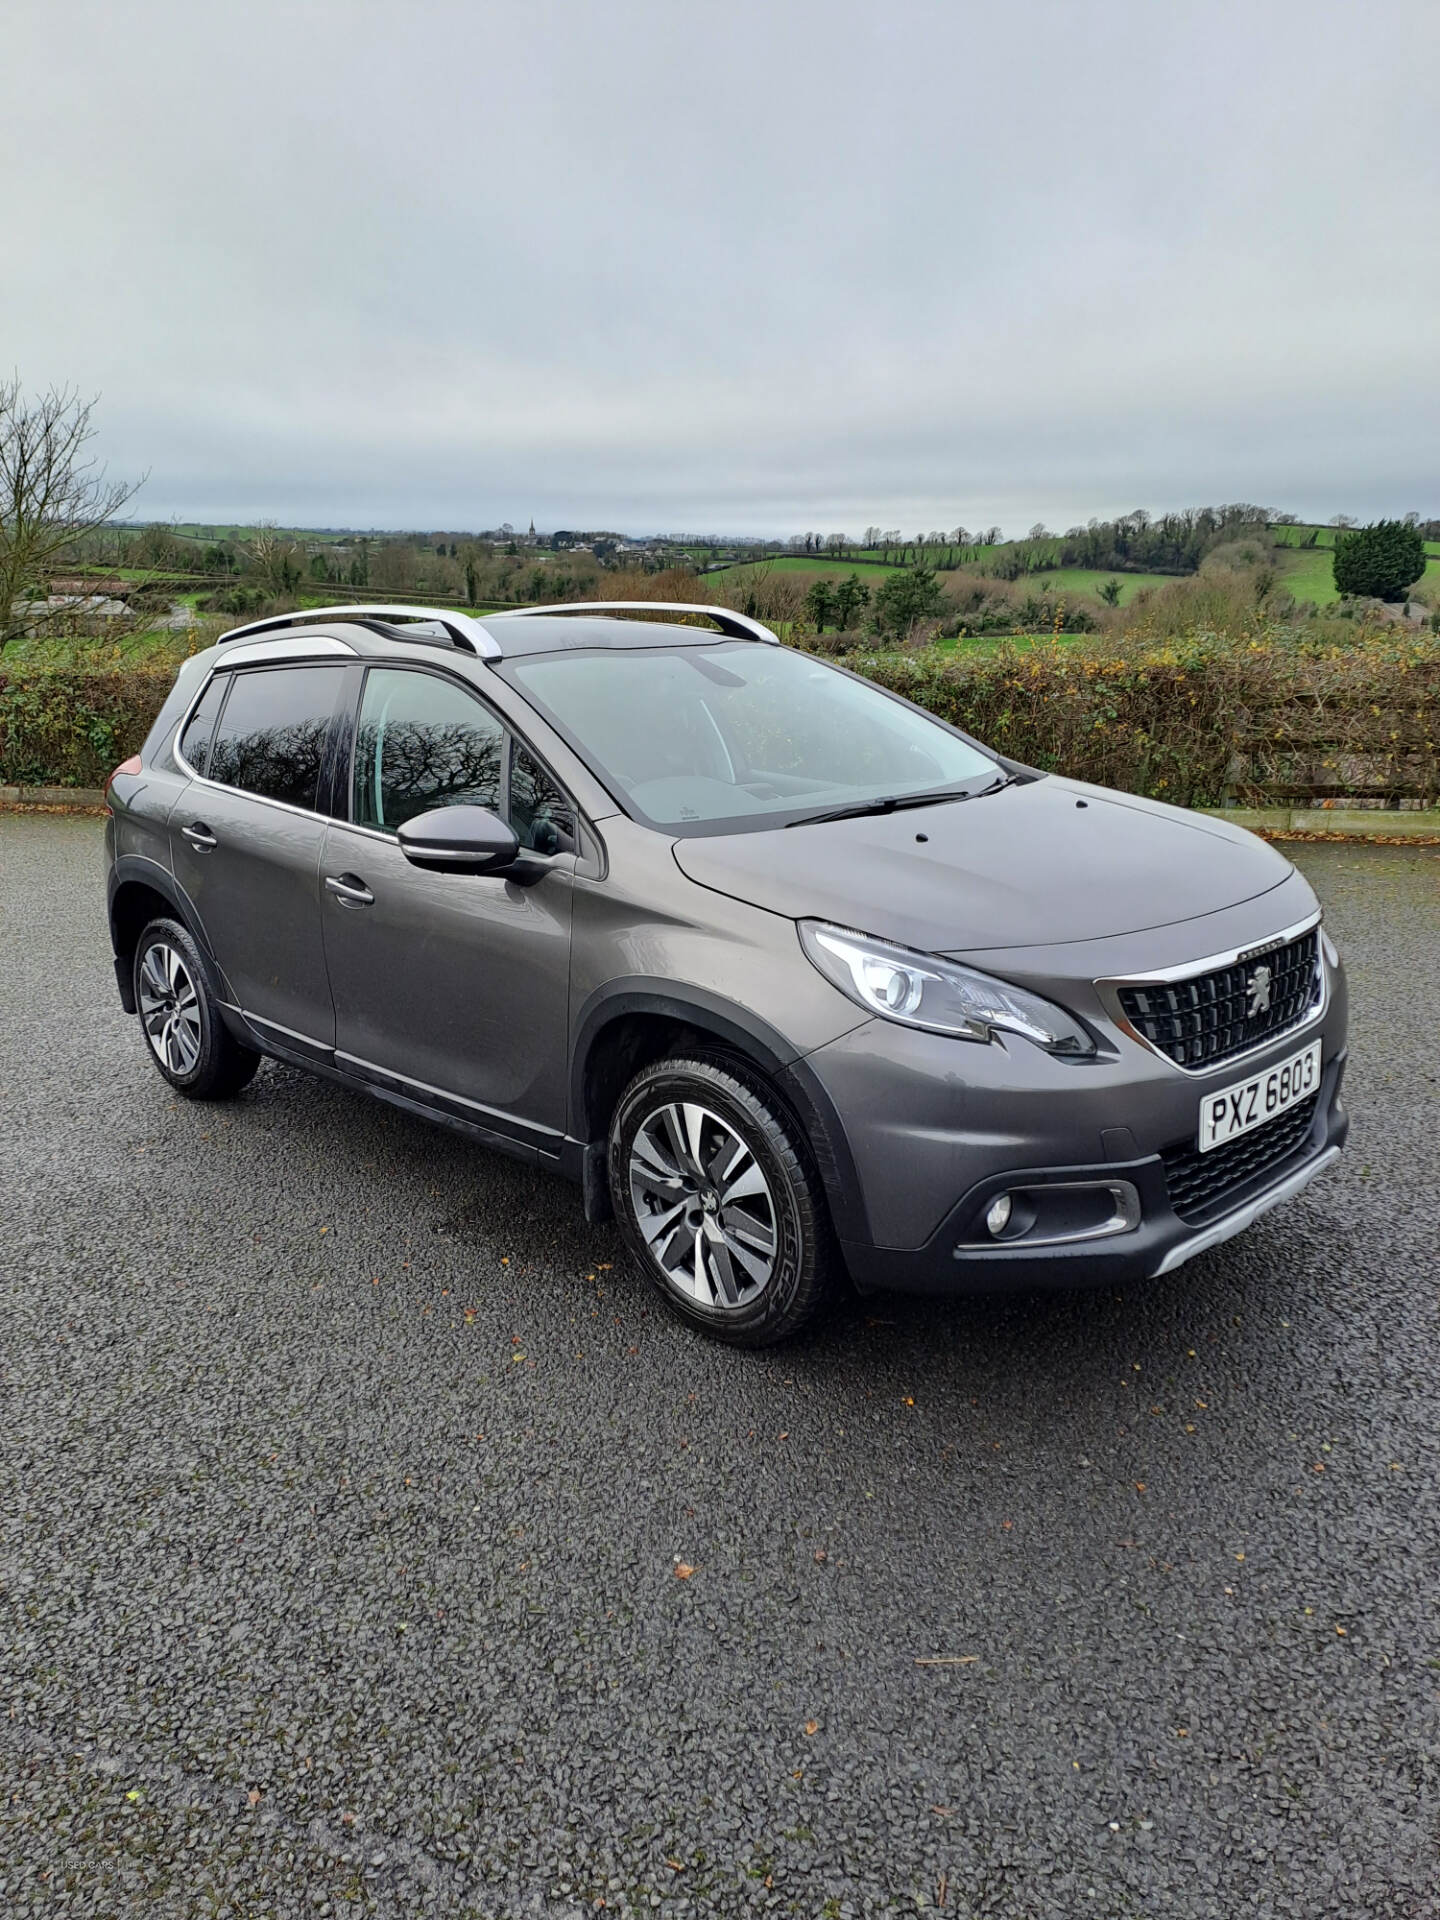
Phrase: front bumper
(951, 1262)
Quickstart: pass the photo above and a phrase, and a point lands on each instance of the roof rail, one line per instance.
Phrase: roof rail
(462, 630)
(739, 626)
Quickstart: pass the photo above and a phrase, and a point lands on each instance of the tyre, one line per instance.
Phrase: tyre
(718, 1202)
(186, 1036)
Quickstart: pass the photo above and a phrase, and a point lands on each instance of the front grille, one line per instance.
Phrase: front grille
(1200, 1183)
(1208, 1018)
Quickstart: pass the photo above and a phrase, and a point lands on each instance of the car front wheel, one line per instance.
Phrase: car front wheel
(188, 1040)
(717, 1201)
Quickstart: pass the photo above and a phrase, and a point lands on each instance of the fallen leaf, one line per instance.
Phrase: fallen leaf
(683, 1570)
(253, 1796)
(678, 1866)
(134, 1794)
(813, 1726)
(820, 1556)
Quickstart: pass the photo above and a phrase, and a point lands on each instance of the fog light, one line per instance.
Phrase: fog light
(997, 1217)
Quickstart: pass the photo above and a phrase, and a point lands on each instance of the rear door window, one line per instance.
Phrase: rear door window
(271, 736)
(195, 741)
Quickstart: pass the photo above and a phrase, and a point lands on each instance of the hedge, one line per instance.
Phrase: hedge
(71, 726)
(1201, 724)
(1197, 724)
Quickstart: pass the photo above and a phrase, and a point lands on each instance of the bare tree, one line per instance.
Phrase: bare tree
(276, 559)
(51, 495)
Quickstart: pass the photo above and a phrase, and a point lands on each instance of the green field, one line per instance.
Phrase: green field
(1310, 574)
(1302, 537)
(802, 563)
(1084, 583)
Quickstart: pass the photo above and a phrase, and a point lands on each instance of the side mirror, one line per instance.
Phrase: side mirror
(459, 840)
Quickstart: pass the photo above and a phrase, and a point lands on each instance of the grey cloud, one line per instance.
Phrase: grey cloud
(741, 266)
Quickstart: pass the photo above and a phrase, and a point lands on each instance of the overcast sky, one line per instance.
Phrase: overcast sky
(764, 266)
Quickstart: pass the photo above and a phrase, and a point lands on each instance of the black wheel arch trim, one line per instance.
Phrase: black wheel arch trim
(755, 1040)
(134, 869)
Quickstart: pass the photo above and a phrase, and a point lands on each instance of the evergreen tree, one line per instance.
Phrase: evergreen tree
(904, 598)
(818, 603)
(852, 596)
(1379, 562)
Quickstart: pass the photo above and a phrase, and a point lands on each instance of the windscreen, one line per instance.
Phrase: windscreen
(739, 735)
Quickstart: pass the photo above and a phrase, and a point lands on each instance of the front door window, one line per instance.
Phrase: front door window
(423, 743)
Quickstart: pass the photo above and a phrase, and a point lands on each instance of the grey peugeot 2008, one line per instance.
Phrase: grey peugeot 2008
(794, 977)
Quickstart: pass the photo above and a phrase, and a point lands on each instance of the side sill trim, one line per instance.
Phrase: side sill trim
(548, 1139)
(1246, 1216)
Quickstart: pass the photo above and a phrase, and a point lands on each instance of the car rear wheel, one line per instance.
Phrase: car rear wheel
(180, 1018)
(717, 1201)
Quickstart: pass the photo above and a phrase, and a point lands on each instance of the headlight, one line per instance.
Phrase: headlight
(942, 997)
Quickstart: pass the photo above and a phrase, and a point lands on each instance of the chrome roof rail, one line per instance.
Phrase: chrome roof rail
(463, 629)
(739, 626)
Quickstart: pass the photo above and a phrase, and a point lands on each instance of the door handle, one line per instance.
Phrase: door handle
(349, 889)
(200, 836)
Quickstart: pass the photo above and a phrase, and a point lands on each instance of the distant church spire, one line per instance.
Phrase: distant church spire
(532, 529)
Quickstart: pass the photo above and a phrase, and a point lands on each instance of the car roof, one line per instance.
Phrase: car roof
(571, 633)
(372, 629)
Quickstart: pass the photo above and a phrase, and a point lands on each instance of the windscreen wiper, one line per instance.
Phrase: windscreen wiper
(889, 803)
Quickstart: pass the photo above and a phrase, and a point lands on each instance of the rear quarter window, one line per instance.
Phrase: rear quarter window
(195, 740)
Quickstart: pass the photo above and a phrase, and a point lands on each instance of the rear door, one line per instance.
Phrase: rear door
(451, 985)
(246, 840)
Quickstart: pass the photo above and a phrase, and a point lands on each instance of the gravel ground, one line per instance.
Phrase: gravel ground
(348, 1491)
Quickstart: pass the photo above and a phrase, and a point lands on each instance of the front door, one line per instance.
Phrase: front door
(448, 984)
(246, 841)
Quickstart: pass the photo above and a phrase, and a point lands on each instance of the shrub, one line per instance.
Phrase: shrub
(71, 727)
(1379, 562)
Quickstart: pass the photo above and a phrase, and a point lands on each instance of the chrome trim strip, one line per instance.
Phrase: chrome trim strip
(1167, 976)
(259, 1020)
(1246, 1216)
(458, 625)
(261, 799)
(443, 1093)
(739, 626)
(1108, 990)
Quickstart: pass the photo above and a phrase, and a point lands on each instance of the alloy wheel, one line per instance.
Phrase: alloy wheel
(704, 1206)
(170, 1008)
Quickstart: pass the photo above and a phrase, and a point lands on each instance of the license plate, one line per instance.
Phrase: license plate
(1240, 1109)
